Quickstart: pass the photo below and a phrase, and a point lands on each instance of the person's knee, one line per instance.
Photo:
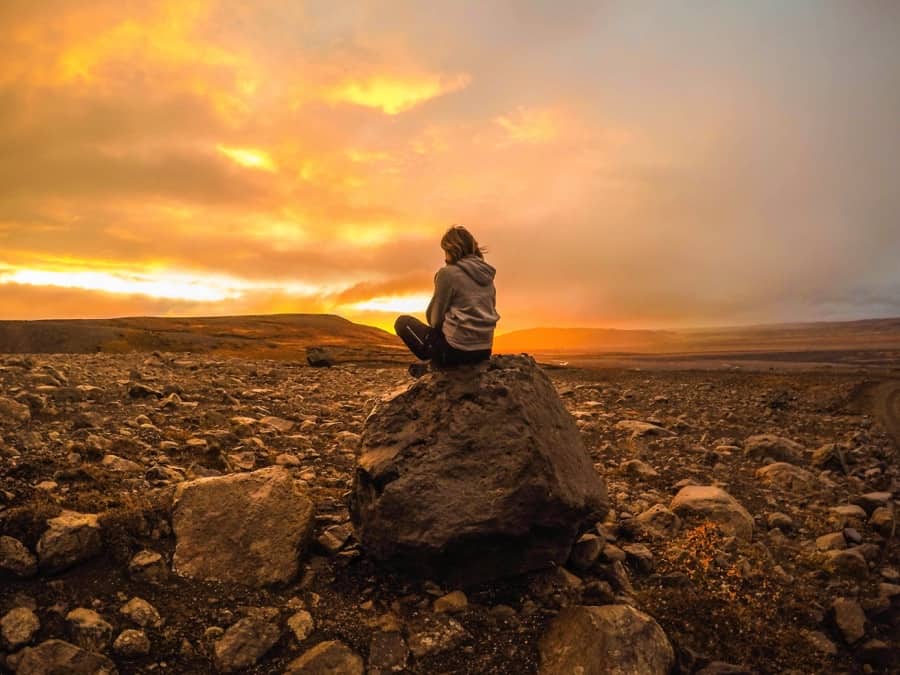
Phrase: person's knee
(401, 322)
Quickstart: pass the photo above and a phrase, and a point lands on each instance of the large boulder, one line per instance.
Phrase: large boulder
(606, 640)
(474, 473)
(247, 528)
(54, 657)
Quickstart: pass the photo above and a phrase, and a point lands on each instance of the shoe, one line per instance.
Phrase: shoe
(417, 370)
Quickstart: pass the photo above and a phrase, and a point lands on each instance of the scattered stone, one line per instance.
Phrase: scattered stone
(142, 613)
(638, 469)
(138, 390)
(327, 658)
(452, 603)
(13, 413)
(132, 643)
(55, 657)
(435, 634)
(149, 567)
(88, 629)
(659, 522)
(780, 520)
(848, 563)
(639, 558)
(786, 476)
(243, 528)
(850, 619)
(430, 507)
(15, 559)
(71, 538)
(873, 500)
(586, 551)
(713, 504)
(882, 520)
(831, 542)
(301, 624)
(614, 639)
(820, 642)
(332, 540)
(388, 652)
(639, 429)
(18, 626)
(774, 447)
(282, 425)
(319, 357)
(120, 464)
(244, 643)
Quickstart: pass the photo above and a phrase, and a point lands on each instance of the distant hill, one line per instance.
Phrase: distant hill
(266, 336)
(865, 334)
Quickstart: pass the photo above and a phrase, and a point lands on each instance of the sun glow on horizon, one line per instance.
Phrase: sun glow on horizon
(407, 304)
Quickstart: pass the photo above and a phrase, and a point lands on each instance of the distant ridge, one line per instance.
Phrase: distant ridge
(256, 336)
(831, 335)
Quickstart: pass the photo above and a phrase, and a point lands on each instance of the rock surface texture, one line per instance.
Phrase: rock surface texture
(477, 473)
(247, 528)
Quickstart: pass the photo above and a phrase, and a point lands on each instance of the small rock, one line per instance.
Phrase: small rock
(301, 624)
(13, 413)
(775, 447)
(638, 469)
(711, 503)
(327, 658)
(148, 566)
(388, 652)
(15, 559)
(586, 551)
(132, 643)
(54, 657)
(142, 613)
(18, 627)
(282, 425)
(850, 619)
(848, 563)
(659, 522)
(872, 500)
(452, 603)
(333, 538)
(88, 629)
(71, 538)
(786, 476)
(780, 520)
(120, 464)
(138, 390)
(882, 520)
(639, 557)
(820, 642)
(639, 429)
(435, 634)
(833, 541)
(244, 643)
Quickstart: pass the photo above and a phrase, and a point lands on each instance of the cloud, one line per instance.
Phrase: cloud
(394, 95)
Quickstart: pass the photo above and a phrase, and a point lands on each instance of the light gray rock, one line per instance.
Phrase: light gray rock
(71, 538)
(55, 657)
(774, 447)
(15, 559)
(247, 641)
(327, 658)
(613, 639)
(710, 503)
(248, 528)
(18, 626)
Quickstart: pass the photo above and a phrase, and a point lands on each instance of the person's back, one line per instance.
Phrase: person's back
(462, 313)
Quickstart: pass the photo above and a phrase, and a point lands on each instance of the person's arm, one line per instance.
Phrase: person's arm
(440, 301)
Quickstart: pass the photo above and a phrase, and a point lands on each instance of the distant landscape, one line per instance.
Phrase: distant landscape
(288, 336)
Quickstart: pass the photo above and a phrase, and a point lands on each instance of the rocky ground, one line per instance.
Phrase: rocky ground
(797, 571)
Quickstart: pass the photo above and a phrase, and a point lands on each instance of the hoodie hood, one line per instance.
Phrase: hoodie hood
(480, 272)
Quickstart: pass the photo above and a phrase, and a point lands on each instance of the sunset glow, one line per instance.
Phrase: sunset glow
(626, 165)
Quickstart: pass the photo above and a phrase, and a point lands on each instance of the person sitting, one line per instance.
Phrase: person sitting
(462, 313)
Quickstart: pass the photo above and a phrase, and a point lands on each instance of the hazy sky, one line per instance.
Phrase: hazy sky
(626, 163)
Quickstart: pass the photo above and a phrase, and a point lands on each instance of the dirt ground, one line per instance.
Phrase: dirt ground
(752, 603)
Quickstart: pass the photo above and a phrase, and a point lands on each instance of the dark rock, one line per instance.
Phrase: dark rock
(435, 634)
(132, 643)
(71, 538)
(15, 559)
(474, 473)
(388, 652)
(244, 643)
(89, 630)
(319, 357)
(138, 390)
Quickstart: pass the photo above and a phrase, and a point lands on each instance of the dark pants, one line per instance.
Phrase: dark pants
(429, 344)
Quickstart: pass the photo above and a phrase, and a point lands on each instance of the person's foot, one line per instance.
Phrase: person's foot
(417, 370)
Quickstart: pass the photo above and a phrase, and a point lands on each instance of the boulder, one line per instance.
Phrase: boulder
(18, 626)
(775, 447)
(327, 658)
(711, 503)
(71, 538)
(53, 657)
(247, 528)
(612, 639)
(474, 473)
(13, 413)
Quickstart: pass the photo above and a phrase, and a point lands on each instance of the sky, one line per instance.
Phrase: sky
(626, 164)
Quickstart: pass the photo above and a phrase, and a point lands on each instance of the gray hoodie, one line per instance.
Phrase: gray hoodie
(464, 304)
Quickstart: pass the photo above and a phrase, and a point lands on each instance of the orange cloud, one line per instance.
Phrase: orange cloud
(393, 95)
(530, 125)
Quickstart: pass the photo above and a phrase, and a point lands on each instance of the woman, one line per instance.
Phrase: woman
(462, 314)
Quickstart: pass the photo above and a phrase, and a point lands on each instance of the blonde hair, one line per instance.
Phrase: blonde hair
(458, 243)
